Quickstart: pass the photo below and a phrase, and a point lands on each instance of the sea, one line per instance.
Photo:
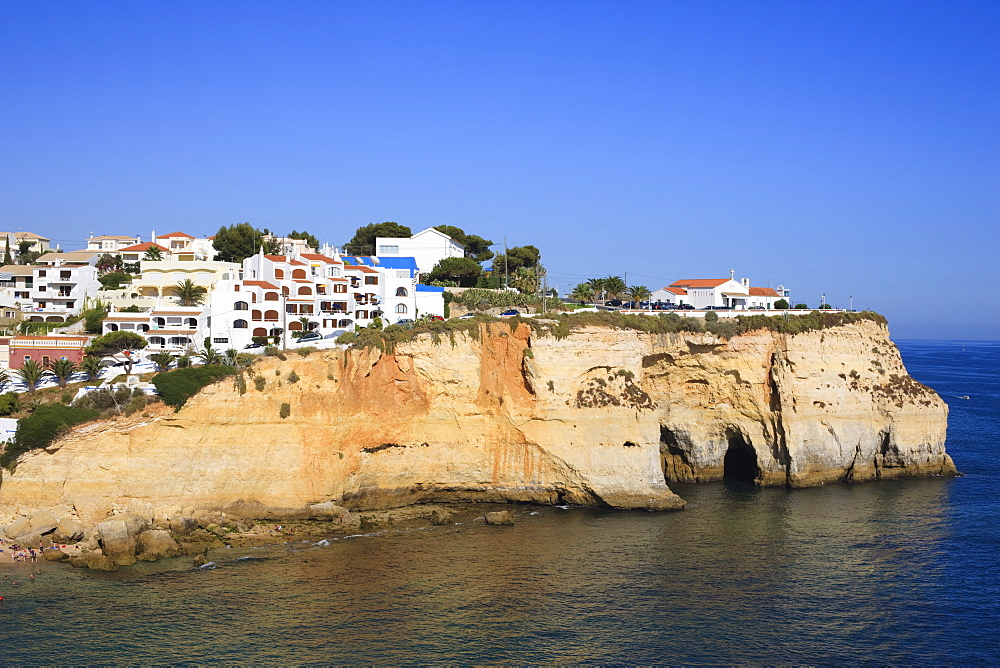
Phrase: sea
(900, 572)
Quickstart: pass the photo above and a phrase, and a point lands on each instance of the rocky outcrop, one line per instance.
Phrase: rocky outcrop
(599, 417)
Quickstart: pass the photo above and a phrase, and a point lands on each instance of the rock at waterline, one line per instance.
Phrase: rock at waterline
(156, 544)
(440, 516)
(500, 517)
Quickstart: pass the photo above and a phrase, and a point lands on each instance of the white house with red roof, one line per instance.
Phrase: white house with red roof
(718, 292)
(185, 247)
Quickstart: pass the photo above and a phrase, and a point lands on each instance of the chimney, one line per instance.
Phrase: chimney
(745, 282)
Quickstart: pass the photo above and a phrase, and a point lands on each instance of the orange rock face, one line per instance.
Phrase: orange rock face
(602, 417)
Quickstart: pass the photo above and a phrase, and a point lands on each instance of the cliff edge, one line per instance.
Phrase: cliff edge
(599, 417)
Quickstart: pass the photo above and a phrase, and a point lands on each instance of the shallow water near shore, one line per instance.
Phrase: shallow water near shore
(885, 572)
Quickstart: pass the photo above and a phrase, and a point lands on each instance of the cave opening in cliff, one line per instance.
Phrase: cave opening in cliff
(740, 464)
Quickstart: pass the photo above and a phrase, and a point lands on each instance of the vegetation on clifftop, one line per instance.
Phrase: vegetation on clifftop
(561, 325)
(177, 386)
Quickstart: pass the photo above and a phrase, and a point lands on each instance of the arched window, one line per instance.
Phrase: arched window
(143, 328)
(112, 327)
(284, 290)
(160, 322)
(192, 322)
(298, 273)
(256, 315)
(253, 297)
(305, 290)
(259, 331)
(295, 326)
(344, 323)
(277, 331)
(401, 292)
(157, 340)
(271, 296)
(241, 306)
(400, 308)
(271, 316)
(240, 324)
(279, 273)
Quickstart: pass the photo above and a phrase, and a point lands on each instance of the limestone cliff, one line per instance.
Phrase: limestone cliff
(602, 416)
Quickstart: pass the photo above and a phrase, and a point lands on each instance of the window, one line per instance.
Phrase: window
(388, 250)
(401, 292)
(371, 280)
(305, 290)
(299, 273)
(333, 272)
(41, 273)
(400, 308)
(271, 296)
(220, 339)
(29, 281)
(240, 324)
(65, 275)
(241, 306)
(278, 273)
(271, 316)
(340, 287)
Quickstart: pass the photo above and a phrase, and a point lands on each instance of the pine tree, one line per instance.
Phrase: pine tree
(7, 259)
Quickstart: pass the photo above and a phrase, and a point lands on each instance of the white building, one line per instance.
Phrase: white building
(670, 295)
(719, 292)
(60, 288)
(184, 247)
(172, 329)
(427, 247)
(110, 243)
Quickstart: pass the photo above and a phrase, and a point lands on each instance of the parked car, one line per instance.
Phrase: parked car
(254, 346)
(510, 313)
(434, 317)
(685, 307)
(613, 302)
(310, 337)
(466, 316)
(405, 321)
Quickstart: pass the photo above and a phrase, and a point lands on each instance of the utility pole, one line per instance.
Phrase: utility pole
(505, 262)
(545, 288)
(852, 303)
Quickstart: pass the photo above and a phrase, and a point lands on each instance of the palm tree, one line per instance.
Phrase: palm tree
(232, 357)
(92, 366)
(162, 360)
(32, 373)
(62, 369)
(582, 293)
(189, 294)
(209, 355)
(599, 287)
(638, 293)
(4, 376)
(153, 253)
(614, 286)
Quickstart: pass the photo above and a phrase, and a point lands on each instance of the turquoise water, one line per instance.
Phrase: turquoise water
(888, 572)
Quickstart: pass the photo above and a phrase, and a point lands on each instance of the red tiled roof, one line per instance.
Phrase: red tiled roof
(261, 284)
(144, 247)
(676, 291)
(168, 312)
(344, 280)
(174, 234)
(276, 258)
(367, 270)
(297, 262)
(698, 282)
(301, 280)
(320, 258)
(763, 292)
(160, 332)
(109, 236)
(128, 316)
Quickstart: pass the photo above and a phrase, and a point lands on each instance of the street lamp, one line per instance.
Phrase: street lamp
(851, 297)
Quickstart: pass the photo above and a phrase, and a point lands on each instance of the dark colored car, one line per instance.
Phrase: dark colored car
(252, 346)
(510, 313)
(434, 317)
(613, 302)
(685, 307)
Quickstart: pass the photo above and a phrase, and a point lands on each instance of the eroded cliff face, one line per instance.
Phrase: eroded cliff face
(600, 417)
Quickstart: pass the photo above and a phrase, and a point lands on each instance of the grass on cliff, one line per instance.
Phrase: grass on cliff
(40, 428)
(177, 386)
(560, 325)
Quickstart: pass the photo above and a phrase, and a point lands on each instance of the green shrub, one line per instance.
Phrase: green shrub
(40, 428)
(293, 377)
(10, 403)
(285, 411)
(304, 351)
(259, 383)
(711, 316)
(347, 338)
(177, 386)
(104, 400)
(800, 305)
(270, 351)
(184, 362)
(781, 303)
(136, 403)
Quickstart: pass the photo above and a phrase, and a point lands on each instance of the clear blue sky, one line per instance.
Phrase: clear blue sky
(846, 148)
